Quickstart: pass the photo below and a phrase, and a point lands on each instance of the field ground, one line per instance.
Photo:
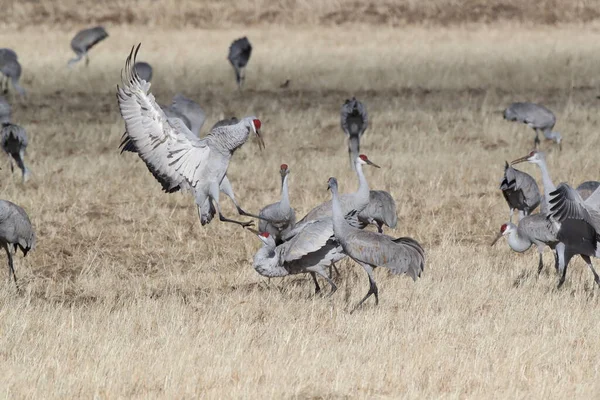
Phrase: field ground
(126, 295)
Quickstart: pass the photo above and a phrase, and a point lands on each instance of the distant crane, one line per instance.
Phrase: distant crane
(144, 70)
(190, 110)
(380, 211)
(356, 201)
(239, 55)
(354, 121)
(173, 154)
(7, 55)
(369, 249)
(14, 143)
(575, 234)
(11, 70)
(537, 117)
(281, 213)
(84, 40)
(8, 58)
(586, 188)
(15, 232)
(5, 110)
(520, 191)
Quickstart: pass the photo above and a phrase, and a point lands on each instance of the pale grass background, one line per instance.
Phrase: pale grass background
(127, 295)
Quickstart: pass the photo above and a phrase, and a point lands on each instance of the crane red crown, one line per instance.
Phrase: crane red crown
(257, 123)
(363, 157)
(284, 166)
(503, 228)
(264, 234)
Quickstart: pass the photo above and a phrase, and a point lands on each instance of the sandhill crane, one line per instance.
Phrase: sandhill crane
(536, 116)
(14, 143)
(380, 211)
(370, 249)
(586, 188)
(536, 229)
(355, 121)
(7, 54)
(239, 55)
(312, 250)
(281, 213)
(11, 69)
(520, 191)
(144, 70)
(173, 154)
(5, 110)
(190, 110)
(575, 234)
(16, 232)
(84, 40)
(356, 201)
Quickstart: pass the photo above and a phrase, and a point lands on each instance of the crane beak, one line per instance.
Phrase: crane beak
(519, 160)
(253, 231)
(496, 239)
(261, 142)
(371, 163)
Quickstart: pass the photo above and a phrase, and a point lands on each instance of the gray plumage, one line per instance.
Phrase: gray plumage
(520, 191)
(144, 70)
(16, 232)
(356, 201)
(13, 139)
(174, 155)
(5, 110)
(380, 211)
(225, 122)
(370, 249)
(354, 121)
(281, 213)
(239, 55)
(586, 188)
(7, 55)
(312, 250)
(84, 40)
(537, 117)
(11, 70)
(190, 110)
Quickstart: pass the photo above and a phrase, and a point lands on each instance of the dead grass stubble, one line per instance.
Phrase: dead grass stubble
(126, 295)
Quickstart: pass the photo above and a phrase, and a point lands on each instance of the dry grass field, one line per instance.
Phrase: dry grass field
(127, 296)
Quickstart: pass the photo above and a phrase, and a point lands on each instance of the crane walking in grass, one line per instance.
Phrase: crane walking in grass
(14, 143)
(83, 42)
(537, 117)
(16, 232)
(281, 213)
(354, 121)
(239, 55)
(176, 157)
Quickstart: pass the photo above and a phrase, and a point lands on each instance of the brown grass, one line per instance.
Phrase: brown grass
(72, 14)
(127, 295)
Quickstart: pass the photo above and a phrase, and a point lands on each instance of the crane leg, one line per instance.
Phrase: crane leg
(332, 268)
(541, 263)
(87, 60)
(4, 84)
(372, 286)
(317, 287)
(536, 141)
(589, 263)
(214, 197)
(564, 256)
(331, 283)
(11, 267)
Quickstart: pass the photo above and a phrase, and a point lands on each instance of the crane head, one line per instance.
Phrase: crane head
(267, 239)
(505, 229)
(363, 159)
(283, 170)
(332, 184)
(535, 157)
(256, 124)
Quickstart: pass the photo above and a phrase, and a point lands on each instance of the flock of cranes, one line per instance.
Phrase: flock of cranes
(168, 140)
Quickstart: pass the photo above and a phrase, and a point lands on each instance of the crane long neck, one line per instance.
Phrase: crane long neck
(339, 223)
(363, 189)
(517, 242)
(548, 184)
(230, 139)
(285, 199)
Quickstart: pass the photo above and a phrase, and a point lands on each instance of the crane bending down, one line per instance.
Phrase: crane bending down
(173, 154)
(380, 211)
(369, 249)
(281, 213)
(239, 55)
(11, 70)
(16, 232)
(575, 234)
(520, 191)
(537, 117)
(83, 41)
(354, 121)
(14, 143)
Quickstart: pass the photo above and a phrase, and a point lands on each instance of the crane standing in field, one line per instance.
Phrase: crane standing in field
(11, 70)
(14, 143)
(144, 70)
(83, 41)
(576, 232)
(281, 213)
(369, 249)
(380, 211)
(520, 191)
(354, 121)
(537, 117)
(16, 232)
(239, 55)
(173, 154)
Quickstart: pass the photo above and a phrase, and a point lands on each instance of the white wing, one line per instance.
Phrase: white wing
(174, 155)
